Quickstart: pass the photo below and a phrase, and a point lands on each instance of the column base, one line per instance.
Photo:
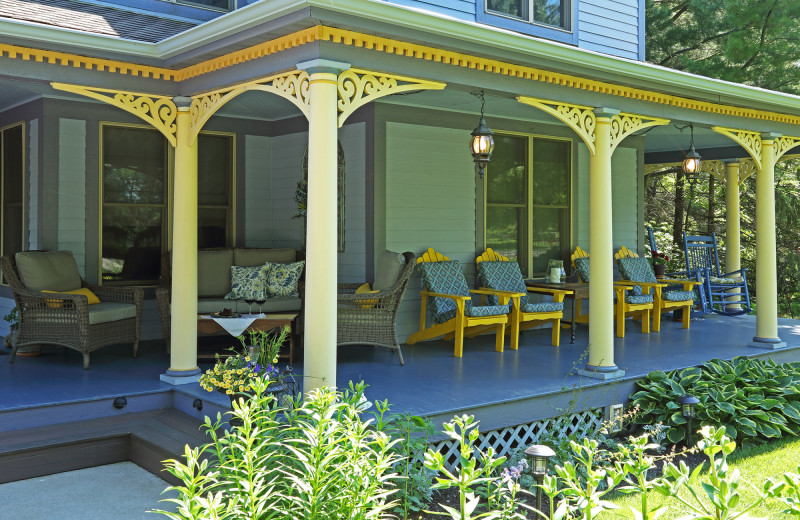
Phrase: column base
(767, 343)
(603, 373)
(181, 377)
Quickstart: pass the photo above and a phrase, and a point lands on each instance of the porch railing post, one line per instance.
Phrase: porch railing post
(183, 354)
(766, 257)
(319, 367)
(733, 253)
(601, 283)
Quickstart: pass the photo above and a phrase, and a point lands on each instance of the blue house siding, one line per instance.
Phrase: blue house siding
(459, 9)
(611, 27)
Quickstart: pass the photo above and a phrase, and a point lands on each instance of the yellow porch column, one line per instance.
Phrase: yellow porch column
(319, 367)
(183, 356)
(733, 253)
(601, 283)
(766, 262)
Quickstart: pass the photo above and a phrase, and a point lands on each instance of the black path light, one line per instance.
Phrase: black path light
(482, 142)
(540, 456)
(688, 403)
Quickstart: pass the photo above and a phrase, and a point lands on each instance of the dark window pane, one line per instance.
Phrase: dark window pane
(212, 227)
(551, 12)
(220, 5)
(132, 238)
(551, 166)
(12, 148)
(214, 164)
(506, 173)
(550, 236)
(134, 162)
(506, 232)
(515, 8)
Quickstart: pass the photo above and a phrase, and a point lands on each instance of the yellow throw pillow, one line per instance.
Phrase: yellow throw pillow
(93, 299)
(365, 289)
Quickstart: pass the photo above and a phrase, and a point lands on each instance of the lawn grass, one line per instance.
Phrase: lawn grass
(755, 465)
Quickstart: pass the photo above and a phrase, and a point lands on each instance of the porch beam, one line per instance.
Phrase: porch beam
(319, 369)
(183, 354)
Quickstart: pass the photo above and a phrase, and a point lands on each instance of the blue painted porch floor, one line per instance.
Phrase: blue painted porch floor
(432, 382)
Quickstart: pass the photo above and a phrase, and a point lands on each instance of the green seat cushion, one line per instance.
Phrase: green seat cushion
(716, 280)
(252, 257)
(48, 270)
(249, 283)
(105, 312)
(213, 272)
(388, 269)
(677, 296)
(211, 305)
(283, 279)
(275, 304)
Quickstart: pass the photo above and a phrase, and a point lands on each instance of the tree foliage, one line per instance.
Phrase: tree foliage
(755, 42)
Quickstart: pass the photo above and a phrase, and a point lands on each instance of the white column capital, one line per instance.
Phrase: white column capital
(605, 112)
(324, 66)
(770, 136)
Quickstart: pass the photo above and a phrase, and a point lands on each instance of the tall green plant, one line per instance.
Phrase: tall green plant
(318, 460)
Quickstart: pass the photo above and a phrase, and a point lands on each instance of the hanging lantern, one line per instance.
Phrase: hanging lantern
(692, 162)
(482, 142)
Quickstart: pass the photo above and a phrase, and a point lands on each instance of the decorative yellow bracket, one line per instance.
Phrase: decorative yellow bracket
(750, 141)
(358, 87)
(159, 111)
(747, 167)
(583, 120)
(715, 168)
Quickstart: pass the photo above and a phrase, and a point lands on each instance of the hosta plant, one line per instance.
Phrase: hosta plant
(753, 399)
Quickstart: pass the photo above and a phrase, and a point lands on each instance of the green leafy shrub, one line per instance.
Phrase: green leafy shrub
(319, 459)
(753, 399)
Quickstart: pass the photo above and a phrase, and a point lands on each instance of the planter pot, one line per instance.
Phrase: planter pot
(660, 270)
(25, 350)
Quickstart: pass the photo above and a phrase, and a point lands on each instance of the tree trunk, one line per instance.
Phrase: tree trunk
(677, 222)
(710, 215)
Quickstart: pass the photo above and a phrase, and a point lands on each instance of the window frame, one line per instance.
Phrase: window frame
(530, 27)
(527, 266)
(167, 225)
(23, 187)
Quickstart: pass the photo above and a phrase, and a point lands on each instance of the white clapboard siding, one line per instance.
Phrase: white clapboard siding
(610, 26)
(72, 189)
(441, 216)
(32, 211)
(624, 196)
(352, 261)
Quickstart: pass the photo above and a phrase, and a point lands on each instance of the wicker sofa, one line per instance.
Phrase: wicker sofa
(214, 282)
(68, 319)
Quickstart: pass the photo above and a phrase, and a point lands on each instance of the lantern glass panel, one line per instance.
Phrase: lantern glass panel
(688, 410)
(539, 466)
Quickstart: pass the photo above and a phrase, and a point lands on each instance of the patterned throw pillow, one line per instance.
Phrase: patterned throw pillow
(282, 279)
(248, 283)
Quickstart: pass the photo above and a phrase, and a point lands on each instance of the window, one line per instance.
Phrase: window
(135, 193)
(214, 5)
(528, 200)
(553, 13)
(12, 165)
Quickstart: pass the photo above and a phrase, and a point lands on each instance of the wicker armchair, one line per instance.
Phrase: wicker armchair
(371, 318)
(64, 319)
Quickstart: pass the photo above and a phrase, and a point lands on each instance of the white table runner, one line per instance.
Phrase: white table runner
(236, 326)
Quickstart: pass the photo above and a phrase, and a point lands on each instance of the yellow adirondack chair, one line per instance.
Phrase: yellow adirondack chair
(524, 315)
(626, 305)
(454, 315)
(637, 271)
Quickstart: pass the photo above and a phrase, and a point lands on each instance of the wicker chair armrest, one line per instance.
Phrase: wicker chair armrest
(348, 288)
(364, 297)
(117, 294)
(67, 307)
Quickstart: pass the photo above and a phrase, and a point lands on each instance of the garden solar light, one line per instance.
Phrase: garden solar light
(482, 142)
(539, 455)
(691, 164)
(688, 402)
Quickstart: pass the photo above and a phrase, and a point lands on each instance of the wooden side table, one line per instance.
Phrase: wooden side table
(579, 290)
(271, 321)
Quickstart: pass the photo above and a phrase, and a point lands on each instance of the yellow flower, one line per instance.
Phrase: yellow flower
(275, 360)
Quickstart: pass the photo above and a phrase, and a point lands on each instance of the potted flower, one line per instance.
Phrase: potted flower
(235, 375)
(660, 264)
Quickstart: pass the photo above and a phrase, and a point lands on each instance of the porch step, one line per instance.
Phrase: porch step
(145, 438)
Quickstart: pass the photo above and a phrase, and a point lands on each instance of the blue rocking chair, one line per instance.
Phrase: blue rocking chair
(723, 293)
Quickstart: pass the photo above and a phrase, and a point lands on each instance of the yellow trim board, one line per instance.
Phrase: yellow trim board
(389, 46)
